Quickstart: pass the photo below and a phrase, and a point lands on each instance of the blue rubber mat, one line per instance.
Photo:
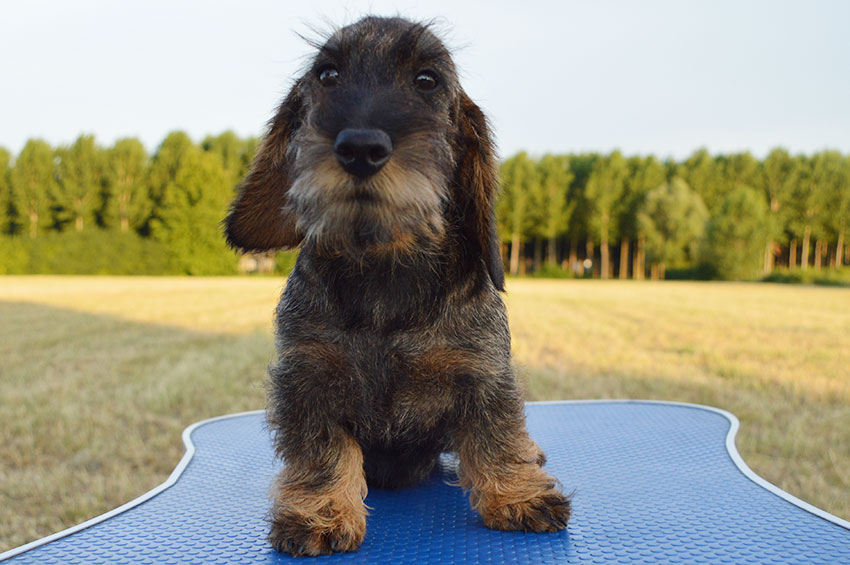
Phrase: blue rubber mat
(654, 482)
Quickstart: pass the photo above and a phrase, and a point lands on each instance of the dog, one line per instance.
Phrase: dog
(392, 337)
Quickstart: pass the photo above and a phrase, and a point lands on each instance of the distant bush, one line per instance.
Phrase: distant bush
(552, 271)
(698, 273)
(285, 262)
(14, 256)
(825, 277)
(93, 252)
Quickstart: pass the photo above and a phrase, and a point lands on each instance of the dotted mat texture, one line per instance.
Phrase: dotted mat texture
(653, 483)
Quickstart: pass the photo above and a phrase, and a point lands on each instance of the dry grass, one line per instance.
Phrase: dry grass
(100, 375)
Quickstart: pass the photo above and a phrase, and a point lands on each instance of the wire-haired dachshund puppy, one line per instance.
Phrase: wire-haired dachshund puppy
(393, 343)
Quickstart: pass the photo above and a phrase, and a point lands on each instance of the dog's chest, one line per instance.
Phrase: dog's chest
(404, 387)
(393, 363)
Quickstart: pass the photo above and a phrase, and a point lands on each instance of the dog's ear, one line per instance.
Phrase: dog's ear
(477, 179)
(259, 219)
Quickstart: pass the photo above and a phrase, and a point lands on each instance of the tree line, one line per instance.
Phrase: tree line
(84, 207)
(87, 208)
(724, 216)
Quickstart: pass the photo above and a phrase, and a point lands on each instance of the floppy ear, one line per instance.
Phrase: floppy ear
(478, 179)
(259, 219)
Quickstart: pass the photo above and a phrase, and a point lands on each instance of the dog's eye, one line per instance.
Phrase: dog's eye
(328, 76)
(426, 80)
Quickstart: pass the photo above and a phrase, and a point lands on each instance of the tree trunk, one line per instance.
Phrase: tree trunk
(653, 271)
(574, 255)
(538, 253)
(662, 270)
(590, 256)
(818, 253)
(768, 257)
(523, 261)
(792, 254)
(33, 225)
(551, 255)
(839, 246)
(604, 260)
(804, 254)
(515, 245)
(639, 267)
(123, 200)
(624, 258)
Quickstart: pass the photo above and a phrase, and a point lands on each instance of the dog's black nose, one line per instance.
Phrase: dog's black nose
(362, 152)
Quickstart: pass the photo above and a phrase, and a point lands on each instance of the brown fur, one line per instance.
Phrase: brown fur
(392, 338)
(307, 520)
(515, 495)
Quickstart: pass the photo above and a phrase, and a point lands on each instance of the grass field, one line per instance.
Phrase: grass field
(99, 375)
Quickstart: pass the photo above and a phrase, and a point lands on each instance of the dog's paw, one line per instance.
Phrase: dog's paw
(547, 512)
(303, 535)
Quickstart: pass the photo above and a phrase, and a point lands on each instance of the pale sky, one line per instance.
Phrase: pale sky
(661, 77)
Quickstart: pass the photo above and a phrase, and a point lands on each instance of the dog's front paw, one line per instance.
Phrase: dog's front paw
(299, 534)
(547, 512)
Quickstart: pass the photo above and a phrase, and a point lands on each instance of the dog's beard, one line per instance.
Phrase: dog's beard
(397, 210)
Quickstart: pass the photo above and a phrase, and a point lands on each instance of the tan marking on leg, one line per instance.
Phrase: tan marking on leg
(513, 494)
(311, 519)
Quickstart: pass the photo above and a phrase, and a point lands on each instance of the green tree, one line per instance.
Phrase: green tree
(77, 194)
(842, 207)
(556, 207)
(33, 179)
(736, 236)
(809, 202)
(164, 166)
(735, 170)
(673, 219)
(703, 174)
(603, 192)
(126, 202)
(833, 184)
(644, 175)
(581, 166)
(5, 191)
(519, 181)
(780, 177)
(740, 169)
(235, 153)
(192, 203)
(535, 213)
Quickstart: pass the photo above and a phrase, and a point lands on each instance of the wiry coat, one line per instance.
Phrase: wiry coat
(392, 339)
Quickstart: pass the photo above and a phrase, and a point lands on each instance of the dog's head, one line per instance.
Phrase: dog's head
(375, 149)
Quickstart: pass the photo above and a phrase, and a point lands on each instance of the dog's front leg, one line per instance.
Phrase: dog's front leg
(318, 498)
(500, 466)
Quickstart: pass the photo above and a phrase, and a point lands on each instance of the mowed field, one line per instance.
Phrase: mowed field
(99, 375)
